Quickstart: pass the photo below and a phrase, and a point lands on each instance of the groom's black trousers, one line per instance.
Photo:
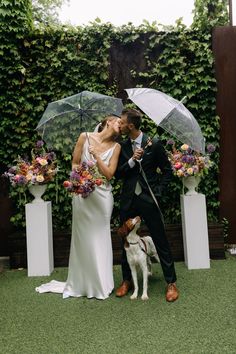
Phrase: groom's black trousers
(151, 215)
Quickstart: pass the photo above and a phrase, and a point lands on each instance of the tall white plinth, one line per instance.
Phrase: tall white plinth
(39, 238)
(195, 231)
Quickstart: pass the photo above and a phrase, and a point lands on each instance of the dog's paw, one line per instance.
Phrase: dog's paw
(133, 296)
(149, 274)
(144, 297)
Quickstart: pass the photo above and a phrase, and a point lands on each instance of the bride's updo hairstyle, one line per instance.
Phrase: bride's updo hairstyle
(102, 125)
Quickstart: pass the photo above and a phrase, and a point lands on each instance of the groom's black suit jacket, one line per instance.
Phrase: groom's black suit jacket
(154, 157)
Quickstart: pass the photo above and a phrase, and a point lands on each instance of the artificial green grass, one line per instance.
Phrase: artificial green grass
(203, 320)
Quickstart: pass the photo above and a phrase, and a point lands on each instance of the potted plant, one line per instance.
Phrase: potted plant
(35, 172)
(189, 165)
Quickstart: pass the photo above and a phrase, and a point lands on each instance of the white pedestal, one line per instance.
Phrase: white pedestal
(39, 238)
(195, 231)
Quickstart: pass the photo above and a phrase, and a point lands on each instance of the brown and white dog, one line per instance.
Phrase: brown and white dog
(138, 250)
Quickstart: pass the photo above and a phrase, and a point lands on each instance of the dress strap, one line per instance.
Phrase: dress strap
(113, 147)
(87, 136)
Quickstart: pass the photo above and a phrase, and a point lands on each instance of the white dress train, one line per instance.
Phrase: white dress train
(90, 271)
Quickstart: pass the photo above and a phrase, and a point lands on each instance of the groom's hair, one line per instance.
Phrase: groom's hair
(133, 116)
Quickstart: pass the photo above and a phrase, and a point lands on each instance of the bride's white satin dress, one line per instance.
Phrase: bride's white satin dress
(90, 271)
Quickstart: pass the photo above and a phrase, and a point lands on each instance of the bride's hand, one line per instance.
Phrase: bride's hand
(93, 151)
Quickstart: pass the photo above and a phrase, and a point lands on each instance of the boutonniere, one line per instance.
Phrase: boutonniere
(148, 143)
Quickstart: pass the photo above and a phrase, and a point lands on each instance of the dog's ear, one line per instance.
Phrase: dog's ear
(123, 231)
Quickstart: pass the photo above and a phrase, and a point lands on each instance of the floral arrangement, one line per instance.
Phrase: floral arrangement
(186, 162)
(83, 179)
(40, 170)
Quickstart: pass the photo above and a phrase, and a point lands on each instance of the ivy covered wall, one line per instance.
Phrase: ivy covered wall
(40, 65)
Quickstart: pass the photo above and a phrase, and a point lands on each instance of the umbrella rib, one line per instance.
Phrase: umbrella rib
(57, 115)
(176, 136)
(74, 110)
(91, 101)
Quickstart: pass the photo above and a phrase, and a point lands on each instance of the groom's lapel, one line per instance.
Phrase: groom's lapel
(144, 141)
(127, 146)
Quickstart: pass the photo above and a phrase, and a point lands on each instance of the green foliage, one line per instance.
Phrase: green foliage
(210, 13)
(45, 64)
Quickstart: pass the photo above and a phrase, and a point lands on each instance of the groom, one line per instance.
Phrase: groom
(136, 198)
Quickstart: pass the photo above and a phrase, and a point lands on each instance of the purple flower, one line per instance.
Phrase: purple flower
(12, 170)
(74, 175)
(84, 165)
(210, 148)
(51, 156)
(170, 142)
(33, 179)
(22, 180)
(39, 144)
(188, 159)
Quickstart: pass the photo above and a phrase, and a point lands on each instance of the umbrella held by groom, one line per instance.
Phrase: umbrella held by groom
(137, 167)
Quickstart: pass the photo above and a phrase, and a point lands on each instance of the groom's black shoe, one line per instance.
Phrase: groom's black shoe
(125, 287)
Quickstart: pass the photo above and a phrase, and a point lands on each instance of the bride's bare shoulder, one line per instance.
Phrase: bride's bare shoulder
(81, 139)
(117, 147)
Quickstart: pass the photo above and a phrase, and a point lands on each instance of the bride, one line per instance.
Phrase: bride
(90, 271)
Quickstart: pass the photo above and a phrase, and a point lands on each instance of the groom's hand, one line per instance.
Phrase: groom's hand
(138, 153)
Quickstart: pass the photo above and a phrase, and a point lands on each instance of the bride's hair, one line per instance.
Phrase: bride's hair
(102, 125)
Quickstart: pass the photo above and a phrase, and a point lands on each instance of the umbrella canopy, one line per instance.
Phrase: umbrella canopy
(169, 114)
(64, 120)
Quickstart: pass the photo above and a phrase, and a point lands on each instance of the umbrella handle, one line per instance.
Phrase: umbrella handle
(150, 189)
(87, 136)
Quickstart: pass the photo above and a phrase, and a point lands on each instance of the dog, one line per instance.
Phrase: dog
(139, 251)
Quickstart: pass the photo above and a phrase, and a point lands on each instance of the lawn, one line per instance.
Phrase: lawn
(203, 320)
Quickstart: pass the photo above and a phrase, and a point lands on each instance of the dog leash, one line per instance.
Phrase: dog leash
(145, 246)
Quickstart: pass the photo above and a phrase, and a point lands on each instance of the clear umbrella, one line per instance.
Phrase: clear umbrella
(169, 114)
(64, 120)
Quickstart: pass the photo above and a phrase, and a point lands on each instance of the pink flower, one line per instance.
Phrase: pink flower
(177, 165)
(98, 181)
(90, 163)
(67, 184)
